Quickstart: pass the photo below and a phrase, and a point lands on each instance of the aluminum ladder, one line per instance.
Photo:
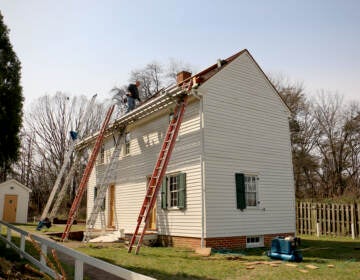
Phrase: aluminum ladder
(108, 177)
(67, 158)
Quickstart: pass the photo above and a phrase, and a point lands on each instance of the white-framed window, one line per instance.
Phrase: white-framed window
(251, 182)
(127, 143)
(101, 158)
(173, 191)
(254, 241)
(247, 190)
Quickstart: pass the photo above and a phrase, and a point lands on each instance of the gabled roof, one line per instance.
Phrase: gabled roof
(165, 97)
(14, 182)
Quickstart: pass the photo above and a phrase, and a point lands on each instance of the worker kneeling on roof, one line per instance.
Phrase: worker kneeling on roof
(132, 95)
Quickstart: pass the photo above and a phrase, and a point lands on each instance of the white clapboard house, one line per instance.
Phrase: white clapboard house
(234, 139)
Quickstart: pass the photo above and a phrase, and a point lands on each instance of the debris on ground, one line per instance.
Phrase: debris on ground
(203, 251)
(311, 266)
(19, 271)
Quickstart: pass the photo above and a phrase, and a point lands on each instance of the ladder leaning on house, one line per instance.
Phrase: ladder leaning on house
(67, 158)
(108, 176)
(69, 177)
(86, 174)
(159, 170)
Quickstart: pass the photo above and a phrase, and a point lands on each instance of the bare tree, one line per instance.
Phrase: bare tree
(46, 139)
(303, 135)
(150, 78)
(174, 67)
(337, 143)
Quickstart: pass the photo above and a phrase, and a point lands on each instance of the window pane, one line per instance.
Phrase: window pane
(173, 191)
(251, 199)
(251, 190)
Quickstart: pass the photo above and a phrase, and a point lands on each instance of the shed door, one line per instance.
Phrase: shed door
(10, 205)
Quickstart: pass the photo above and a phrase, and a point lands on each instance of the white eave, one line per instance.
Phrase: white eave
(165, 98)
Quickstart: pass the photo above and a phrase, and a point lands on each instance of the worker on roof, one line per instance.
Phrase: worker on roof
(132, 95)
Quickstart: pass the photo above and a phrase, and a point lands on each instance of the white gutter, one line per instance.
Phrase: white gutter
(164, 100)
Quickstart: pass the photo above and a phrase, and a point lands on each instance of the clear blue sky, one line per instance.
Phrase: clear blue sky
(87, 47)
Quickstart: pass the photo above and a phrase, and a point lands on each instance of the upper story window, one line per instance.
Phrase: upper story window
(127, 143)
(173, 191)
(102, 155)
(246, 190)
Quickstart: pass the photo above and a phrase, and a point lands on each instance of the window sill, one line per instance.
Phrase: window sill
(173, 209)
(253, 208)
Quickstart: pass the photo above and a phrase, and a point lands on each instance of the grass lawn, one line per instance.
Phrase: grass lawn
(173, 263)
(176, 263)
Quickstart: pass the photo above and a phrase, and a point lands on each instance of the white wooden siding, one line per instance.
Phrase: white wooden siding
(132, 170)
(246, 131)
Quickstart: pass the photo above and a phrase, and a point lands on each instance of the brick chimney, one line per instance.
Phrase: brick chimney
(183, 75)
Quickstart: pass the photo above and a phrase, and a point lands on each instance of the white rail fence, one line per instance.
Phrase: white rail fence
(79, 258)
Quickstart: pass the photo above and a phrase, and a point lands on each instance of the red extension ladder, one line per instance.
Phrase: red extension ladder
(159, 172)
(86, 174)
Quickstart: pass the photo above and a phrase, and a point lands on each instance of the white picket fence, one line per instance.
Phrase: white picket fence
(79, 258)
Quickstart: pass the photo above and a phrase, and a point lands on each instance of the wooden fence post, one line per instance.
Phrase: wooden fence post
(301, 219)
(313, 218)
(358, 217)
(352, 210)
(328, 219)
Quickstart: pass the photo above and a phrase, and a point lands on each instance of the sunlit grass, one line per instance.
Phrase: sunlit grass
(173, 263)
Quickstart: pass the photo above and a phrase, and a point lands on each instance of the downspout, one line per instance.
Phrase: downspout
(202, 172)
(195, 92)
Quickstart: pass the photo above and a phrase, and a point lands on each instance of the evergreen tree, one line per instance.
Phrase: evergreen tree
(11, 102)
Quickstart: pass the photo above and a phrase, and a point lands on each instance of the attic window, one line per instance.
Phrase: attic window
(11, 188)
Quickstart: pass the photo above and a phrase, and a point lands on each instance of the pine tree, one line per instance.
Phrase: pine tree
(11, 102)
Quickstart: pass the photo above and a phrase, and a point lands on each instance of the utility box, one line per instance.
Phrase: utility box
(285, 249)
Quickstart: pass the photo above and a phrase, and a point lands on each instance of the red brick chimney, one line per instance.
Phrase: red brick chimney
(183, 75)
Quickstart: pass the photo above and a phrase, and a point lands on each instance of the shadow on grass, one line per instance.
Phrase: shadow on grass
(331, 249)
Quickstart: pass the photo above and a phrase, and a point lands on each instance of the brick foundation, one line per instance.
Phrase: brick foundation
(232, 242)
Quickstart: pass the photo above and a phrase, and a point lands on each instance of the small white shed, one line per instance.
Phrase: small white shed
(14, 201)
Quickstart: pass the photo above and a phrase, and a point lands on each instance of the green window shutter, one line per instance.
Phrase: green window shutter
(164, 194)
(240, 191)
(182, 191)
